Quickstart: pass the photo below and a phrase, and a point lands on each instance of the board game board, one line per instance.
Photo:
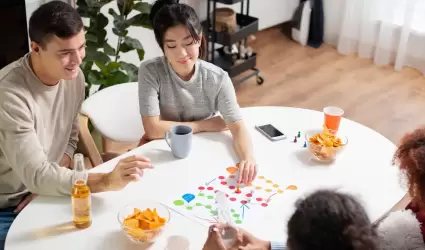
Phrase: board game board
(245, 201)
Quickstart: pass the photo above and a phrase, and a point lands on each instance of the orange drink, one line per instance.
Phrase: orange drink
(333, 117)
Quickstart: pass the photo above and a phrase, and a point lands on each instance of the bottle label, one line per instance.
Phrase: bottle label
(82, 207)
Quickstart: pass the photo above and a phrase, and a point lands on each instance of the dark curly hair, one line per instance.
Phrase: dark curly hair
(327, 220)
(410, 157)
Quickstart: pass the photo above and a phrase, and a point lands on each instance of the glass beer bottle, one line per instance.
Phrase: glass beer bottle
(81, 196)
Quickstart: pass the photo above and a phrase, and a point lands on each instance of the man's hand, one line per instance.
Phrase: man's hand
(215, 124)
(24, 202)
(65, 161)
(127, 170)
(250, 242)
(215, 240)
(247, 171)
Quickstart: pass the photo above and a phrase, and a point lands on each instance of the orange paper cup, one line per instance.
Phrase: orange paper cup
(333, 117)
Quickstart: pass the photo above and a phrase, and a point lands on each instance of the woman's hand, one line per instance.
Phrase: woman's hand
(247, 171)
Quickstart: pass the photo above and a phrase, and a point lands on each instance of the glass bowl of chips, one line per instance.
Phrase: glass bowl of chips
(325, 145)
(143, 221)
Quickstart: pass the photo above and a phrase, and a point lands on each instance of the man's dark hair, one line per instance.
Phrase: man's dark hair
(54, 18)
(328, 220)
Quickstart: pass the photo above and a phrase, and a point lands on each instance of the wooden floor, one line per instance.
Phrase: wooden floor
(387, 101)
(381, 98)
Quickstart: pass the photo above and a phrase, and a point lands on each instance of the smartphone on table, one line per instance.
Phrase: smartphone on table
(271, 132)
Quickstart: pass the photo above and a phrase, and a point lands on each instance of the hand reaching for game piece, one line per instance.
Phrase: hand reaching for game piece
(247, 171)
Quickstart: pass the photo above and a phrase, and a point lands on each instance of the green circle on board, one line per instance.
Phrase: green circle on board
(214, 212)
(236, 215)
(201, 194)
(238, 222)
(210, 197)
(198, 204)
(178, 202)
(189, 208)
(208, 206)
(232, 210)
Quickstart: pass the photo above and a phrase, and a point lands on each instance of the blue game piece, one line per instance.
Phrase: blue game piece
(305, 144)
(188, 197)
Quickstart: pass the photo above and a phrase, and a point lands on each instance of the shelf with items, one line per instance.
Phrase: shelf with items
(230, 29)
(246, 26)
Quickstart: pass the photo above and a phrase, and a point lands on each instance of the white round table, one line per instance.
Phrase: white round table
(363, 169)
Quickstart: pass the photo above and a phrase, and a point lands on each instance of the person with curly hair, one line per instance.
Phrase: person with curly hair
(325, 220)
(404, 224)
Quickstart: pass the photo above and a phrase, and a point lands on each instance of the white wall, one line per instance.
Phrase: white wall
(269, 12)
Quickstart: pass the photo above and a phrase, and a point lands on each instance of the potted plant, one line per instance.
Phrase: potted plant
(102, 65)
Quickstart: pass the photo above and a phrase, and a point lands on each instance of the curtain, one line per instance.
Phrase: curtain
(390, 32)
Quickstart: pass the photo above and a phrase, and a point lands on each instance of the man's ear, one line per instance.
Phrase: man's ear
(35, 47)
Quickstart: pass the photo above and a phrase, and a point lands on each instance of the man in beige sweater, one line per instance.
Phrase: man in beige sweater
(40, 97)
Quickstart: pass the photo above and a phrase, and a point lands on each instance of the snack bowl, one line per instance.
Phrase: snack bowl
(325, 146)
(143, 221)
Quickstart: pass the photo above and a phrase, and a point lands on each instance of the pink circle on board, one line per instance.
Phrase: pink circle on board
(232, 199)
(264, 204)
(210, 188)
(249, 195)
(244, 202)
(221, 177)
(223, 183)
(215, 191)
(201, 188)
(227, 195)
(259, 199)
(232, 187)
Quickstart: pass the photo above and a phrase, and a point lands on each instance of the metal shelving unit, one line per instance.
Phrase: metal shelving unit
(248, 25)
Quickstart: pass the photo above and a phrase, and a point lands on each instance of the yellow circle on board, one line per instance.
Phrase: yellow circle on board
(260, 177)
(269, 181)
(275, 186)
(280, 191)
(268, 190)
(258, 188)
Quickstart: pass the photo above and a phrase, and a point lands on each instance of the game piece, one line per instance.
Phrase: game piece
(305, 144)
(238, 191)
(299, 134)
(295, 139)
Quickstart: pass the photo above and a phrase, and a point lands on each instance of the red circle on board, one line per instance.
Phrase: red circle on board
(232, 187)
(223, 182)
(259, 199)
(227, 195)
(244, 202)
(249, 195)
(221, 177)
(264, 204)
(201, 188)
(232, 199)
(210, 188)
(215, 191)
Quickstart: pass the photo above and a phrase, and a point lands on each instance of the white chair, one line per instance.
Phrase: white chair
(114, 113)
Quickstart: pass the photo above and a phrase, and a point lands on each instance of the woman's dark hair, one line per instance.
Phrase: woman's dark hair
(166, 14)
(328, 220)
(54, 18)
(410, 157)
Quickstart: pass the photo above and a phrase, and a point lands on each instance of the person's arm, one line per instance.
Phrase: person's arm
(229, 108)
(400, 205)
(20, 145)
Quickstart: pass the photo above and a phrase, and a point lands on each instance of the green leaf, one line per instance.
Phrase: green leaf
(115, 15)
(125, 48)
(113, 66)
(141, 20)
(101, 36)
(101, 21)
(94, 77)
(133, 43)
(90, 37)
(108, 49)
(125, 6)
(131, 69)
(97, 56)
(117, 77)
(119, 33)
(86, 66)
(143, 7)
(141, 53)
(102, 68)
